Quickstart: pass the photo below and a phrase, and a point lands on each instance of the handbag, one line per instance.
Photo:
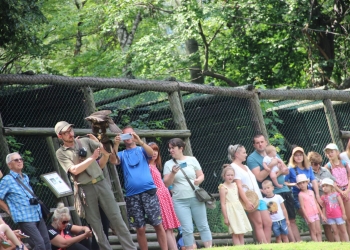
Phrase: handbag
(44, 210)
(251, 196)
(200, 193)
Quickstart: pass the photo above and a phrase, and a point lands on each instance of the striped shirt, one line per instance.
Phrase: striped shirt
(17, 198)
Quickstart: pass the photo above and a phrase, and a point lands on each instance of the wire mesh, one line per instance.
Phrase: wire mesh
(215, 122)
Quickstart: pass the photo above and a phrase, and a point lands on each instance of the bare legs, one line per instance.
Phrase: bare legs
(262, 227)
(171, 239)
(238, 239)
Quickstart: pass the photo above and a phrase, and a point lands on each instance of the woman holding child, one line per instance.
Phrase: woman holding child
(243, 176)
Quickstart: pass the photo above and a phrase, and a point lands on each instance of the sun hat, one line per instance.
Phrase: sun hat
(62, 126)
(327, 181)
(296, 149)
(301, 178)
(331, 146)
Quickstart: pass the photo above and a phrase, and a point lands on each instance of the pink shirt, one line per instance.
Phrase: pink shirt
(333, 209)
(340, 174)
(310, 205)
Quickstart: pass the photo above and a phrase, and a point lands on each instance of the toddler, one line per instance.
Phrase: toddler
(268, 164)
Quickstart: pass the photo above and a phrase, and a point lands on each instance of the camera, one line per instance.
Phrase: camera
(82, 152)
(33, 201)
(125, 136)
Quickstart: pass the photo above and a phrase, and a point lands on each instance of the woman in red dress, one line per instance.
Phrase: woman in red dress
(169, 218)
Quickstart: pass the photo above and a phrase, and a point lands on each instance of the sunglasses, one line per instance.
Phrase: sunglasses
(65, 222)
(17, 160)
(315, 164)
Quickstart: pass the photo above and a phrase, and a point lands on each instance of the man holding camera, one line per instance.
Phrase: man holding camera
(141, 199)
(21, 205)
(79, 157)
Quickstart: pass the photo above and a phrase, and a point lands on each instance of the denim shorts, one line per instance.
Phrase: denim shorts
(338, 221)
(262, 205)
(280, 227)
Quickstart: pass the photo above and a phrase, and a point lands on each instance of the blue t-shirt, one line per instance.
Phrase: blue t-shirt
(136, 172)
(292, 178)
(255, 159)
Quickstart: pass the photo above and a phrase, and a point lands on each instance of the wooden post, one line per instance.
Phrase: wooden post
(332, 123)
(4, 149)
(69, 201)
(118, 193)
(257, 115)
(344, 134)
(179, 118)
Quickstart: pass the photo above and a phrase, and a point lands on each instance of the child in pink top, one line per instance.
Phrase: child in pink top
(310, 208)
(334, 210)
(341, 171)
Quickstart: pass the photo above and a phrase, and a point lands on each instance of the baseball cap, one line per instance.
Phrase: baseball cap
(296, 149)
(331, 146)
(62, 126)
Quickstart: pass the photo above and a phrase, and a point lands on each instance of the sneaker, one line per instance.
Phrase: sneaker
(20, 247)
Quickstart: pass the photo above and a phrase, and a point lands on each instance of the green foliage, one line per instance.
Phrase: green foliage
(19, 23)
(26, 155)
(270, 42)
(271, 119)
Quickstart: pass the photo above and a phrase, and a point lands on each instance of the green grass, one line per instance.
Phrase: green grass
(292, 246)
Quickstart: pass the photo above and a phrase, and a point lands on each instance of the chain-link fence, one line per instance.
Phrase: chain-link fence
(216, 117)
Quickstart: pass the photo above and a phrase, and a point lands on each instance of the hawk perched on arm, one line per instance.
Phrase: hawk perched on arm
(100, 121)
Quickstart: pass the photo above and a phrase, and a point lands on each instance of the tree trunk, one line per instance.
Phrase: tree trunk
(196, 67)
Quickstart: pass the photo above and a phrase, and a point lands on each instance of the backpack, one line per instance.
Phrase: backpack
(329, 165)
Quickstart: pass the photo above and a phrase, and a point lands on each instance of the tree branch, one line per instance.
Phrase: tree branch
(206, 47)
(131, 35)
(216, 32)
(221, 77)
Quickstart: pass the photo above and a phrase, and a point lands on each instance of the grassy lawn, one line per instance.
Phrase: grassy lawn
(292, 246)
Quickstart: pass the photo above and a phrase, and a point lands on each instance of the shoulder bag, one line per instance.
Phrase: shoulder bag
(251, 196)
(201, 194)
(44, 210)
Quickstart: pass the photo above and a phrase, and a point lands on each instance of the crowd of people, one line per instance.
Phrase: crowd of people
(164, 197)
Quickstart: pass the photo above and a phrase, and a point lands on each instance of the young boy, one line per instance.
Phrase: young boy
(278, 212)
(271, 154)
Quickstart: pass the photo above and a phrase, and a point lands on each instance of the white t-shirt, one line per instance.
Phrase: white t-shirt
(247, 178)
(267, 159)
(181, 187)
(344, 156)
(274, 207)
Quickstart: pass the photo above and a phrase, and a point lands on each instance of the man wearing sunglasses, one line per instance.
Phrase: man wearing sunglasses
(23, 212)
(86, 171)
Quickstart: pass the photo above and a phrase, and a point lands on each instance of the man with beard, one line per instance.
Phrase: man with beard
(79, 158)
(141, 200)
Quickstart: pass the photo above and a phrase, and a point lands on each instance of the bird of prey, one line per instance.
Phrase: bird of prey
(100, 121)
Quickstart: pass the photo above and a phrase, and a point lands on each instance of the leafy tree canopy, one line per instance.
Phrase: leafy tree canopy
(291, 42)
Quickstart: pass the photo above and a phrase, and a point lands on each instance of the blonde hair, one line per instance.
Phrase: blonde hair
(266, 183)
(332, 188)
(60, 212)
(226, 168)
(269, 149)
(232, 150)
(305, 163)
